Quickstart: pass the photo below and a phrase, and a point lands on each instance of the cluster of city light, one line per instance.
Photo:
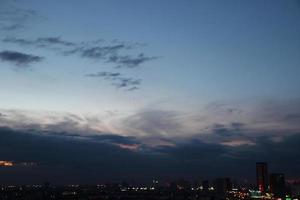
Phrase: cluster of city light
(256, 194)
(125, 189)
(239, 194)
(6, 163)
(68, 193)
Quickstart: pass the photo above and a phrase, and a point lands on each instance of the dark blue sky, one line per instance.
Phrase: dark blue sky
(163, 86)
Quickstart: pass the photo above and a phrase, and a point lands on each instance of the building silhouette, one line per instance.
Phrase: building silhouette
(222, 185)
(205, 185)
(277, 185)
(262, 176)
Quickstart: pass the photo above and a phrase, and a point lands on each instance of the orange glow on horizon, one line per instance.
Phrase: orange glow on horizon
(5, 163)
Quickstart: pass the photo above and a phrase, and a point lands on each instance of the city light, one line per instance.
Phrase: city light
(5, 163)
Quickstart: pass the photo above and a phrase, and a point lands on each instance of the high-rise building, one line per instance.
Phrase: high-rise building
(277, 185)
(262, 176)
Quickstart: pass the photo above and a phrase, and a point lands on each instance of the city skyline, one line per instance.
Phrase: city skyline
(148, 89)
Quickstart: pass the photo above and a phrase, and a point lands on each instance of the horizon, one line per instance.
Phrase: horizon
(142, 90)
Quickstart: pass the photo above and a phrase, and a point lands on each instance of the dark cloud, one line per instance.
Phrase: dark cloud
(111, 54)
(54, 40)
(237, 125)
(156, 142)
(238, 161)
(106, 75)
(99, 157)
(127, 83)
(58, 153)
(116, 79)
(157, 145)
(133, 88)
(100, 52)
(279, 153)
(221, 129)
(114, 139)
(129, 61)
(18, 58)
(39, 42)
(232, 129)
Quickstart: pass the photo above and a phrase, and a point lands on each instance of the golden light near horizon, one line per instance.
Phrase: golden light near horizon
(5, 163)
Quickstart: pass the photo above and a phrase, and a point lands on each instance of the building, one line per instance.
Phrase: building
(262, 176)
(295, 187)
(277, 185)
(205, 185)
(222, 185)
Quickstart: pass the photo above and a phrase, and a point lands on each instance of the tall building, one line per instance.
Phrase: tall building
(277, 185)
(262, 176)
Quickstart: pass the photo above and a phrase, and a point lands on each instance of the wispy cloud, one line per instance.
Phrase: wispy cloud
(13, 18)
(106, 75)
(129, 83)
(114, 53)
(110, 53)
(39, 42)
(99, 52)
(116, 79)
(19, 59)
(130, 61)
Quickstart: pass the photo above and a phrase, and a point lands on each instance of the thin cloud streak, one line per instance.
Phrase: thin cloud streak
(116, 79)
(39, 42)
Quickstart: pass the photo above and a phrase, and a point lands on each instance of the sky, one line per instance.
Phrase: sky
(165, 89)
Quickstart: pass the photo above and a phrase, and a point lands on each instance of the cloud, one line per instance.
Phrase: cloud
(13, 18)
(238, 142)
(54, 40)
(2, 115)
(128, 82)
(124, 142)
(276, 120)
(58, 153)
(118, 139)
(133, 88)
(116, 79)
(129, 61)
(154, 123)
(110, 53)
(150, 140)
(18, 58)
(106, 75)
(39, 42)
(100, 52)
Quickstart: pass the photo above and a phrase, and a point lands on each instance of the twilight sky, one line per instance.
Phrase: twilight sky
(165, 89)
